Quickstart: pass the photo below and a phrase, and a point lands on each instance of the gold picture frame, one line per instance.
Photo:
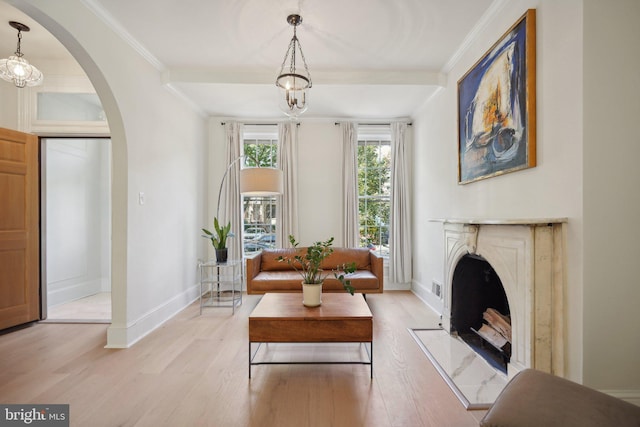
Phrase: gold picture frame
(497, 107)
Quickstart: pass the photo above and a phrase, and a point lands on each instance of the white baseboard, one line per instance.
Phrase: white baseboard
(631, 396)
(124, 336)
(72, 292)
(429, 298)
(390, 286)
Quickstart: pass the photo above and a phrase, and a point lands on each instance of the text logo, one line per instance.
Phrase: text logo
(34, 415)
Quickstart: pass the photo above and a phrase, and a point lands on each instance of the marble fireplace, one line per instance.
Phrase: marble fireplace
(528, 258)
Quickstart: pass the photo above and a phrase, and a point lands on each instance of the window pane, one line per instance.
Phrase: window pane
(259, 213)
(374, 216)
(374, 173)
(374, 189)
(69, 107)
(263, 153)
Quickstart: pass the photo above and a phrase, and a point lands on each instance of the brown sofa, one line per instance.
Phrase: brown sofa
(534, 398)
(266, 274)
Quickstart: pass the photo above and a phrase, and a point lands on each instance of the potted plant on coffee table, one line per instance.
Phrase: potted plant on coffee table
(219, 239)
(309, 264)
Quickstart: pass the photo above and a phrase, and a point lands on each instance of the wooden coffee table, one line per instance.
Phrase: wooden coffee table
(281, 318)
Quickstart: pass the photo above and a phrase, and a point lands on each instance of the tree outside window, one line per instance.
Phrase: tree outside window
(374, 192)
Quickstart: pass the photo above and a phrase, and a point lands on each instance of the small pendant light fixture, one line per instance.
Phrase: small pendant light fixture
(16, 69)
(292, 82)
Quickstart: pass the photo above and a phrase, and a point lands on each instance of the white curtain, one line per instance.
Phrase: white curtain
(400, 241)
(231, 201)
(287, 211)
(351, 232)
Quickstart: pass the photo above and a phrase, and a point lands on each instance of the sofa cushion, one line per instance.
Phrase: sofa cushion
(274, 281)
(360, 280)
(270, 261)
(291, 281)
(342, 256)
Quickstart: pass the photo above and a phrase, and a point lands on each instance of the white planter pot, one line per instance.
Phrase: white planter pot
(311, 294)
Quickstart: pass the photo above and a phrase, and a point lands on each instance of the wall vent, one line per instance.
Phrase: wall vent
(436, 288)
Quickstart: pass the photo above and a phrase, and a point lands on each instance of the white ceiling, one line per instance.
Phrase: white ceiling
(376, 59)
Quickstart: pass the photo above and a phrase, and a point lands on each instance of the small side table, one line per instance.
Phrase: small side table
(220, 284)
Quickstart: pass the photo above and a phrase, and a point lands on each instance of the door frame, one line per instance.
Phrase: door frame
(43, 217)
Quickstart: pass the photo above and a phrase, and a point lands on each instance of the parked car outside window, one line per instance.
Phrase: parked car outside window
(252, 233)
(266, 240)
(251, 247)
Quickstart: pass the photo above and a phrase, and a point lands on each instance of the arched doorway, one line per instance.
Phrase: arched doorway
(119, 181)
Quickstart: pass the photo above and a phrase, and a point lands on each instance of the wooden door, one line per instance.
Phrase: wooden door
(19, 229)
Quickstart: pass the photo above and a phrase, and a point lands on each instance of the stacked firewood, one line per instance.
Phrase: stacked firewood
(499, 322)
(497, 329)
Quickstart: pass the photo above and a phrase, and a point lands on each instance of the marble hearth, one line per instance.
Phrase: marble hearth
(528, 256)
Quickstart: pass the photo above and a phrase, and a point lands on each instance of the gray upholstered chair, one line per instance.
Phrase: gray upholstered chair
(534, 399)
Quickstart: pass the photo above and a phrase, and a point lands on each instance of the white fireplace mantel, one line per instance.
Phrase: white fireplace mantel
(503, 221)
(528, 256)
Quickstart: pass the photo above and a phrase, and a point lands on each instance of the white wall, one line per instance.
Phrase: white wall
(159, 145)
(8, 106)
(320, 183)
(77, 218)
(611, 196)
(571, 180)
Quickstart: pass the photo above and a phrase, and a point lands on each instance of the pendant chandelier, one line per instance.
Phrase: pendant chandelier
(16, 69)
(293, 83)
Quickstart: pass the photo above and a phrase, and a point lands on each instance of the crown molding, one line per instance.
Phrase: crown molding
(120, 30)
(493, 10)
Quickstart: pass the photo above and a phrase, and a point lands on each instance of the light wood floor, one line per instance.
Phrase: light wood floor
(94, 308)
(193, 372)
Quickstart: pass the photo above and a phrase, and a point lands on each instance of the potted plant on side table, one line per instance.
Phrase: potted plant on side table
(309, 265)
(219, 239)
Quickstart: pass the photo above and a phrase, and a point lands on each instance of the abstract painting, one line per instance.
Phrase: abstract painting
(497, 107)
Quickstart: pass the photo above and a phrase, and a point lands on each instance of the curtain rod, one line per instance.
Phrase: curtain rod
(257, 124)
(373, 124)
(254, 124)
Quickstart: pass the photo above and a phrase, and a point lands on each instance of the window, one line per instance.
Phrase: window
(68, 103)
(374, 187)
(260, 148)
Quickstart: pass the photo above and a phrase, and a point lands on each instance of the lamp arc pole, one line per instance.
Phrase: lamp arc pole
(224, 177)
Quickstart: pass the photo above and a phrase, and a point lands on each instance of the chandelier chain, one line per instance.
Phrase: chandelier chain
(17, 52)
(294, 41)
(304, 62)
(292, 65)
(291, 52)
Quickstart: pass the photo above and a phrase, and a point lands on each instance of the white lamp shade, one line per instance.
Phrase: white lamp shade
(261, 181)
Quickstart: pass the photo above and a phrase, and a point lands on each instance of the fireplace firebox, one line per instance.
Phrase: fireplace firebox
(480, 313)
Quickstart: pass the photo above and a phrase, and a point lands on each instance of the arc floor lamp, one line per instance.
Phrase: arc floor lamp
(254, 181)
